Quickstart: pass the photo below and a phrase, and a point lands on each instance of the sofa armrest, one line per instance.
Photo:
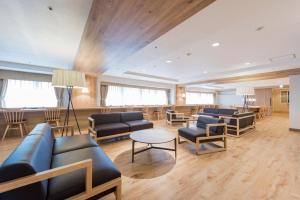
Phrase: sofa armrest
(91, 123)
(27, 180)
(89, 189)
(208, 126)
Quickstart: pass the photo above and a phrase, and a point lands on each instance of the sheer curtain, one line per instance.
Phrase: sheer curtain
(22, 93)
(120, 96)
(3, 89)
(199, 98)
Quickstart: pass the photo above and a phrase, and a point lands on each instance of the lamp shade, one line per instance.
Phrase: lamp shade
(68, 78)
(243, 91)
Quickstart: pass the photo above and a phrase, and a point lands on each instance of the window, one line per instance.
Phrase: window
(29, 94)
(120, 96)
(284, 97)
(199, 98)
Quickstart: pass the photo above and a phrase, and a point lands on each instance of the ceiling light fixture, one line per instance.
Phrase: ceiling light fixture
(247, 63)
(216, 44)
(168, 61)
(281, 85)
(204, 72)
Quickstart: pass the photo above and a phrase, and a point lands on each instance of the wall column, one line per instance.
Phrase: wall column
(294, 108)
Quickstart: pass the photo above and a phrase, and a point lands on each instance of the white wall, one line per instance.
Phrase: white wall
(228, 98)
(294, 102)
(126, 81)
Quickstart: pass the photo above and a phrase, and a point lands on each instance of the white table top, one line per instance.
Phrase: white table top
(152, 136)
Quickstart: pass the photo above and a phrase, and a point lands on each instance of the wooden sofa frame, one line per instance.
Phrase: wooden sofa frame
(180, 118)
(237, 127)
(202, 140)
(87, 164)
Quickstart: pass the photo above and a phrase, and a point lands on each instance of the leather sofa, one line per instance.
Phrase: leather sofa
(217, 112)
(207, 130)
(58, 168)
(239, 123)
(109, 125)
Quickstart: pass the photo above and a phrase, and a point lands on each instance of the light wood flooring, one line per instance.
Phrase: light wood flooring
(264, 164)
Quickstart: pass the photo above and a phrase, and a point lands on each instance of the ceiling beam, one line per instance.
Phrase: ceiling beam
(252, 77)
(116, 29)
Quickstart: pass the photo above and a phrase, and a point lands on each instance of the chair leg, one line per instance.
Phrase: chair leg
(118, 192)
(5, 132)
(197, 145)
(25, 129)
(21, 130)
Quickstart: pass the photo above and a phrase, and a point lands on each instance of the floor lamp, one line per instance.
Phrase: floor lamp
(69, 79)
(245, 92)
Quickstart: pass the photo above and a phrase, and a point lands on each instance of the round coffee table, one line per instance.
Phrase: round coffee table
(152, 137)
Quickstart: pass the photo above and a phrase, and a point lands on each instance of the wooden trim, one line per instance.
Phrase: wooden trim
(85, 164)
(294, 129)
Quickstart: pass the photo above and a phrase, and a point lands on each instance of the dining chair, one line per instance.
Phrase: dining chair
(52, 115)
(14, 119)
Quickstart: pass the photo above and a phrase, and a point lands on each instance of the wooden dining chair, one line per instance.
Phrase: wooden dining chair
(105, 109)
(52, 115)
(14, 120)
(145, 111)
(158, 112)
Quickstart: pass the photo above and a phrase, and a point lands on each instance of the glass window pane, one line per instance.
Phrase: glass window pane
(29, 94)
(199, 98)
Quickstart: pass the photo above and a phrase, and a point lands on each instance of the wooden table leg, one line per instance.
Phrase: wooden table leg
(175, 142)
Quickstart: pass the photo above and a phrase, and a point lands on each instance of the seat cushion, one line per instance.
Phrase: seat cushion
(70, 143)
(64, 186)
(192, 133)
(227, 112)
(211, 110)
(106, 118)
(139, 125)
(111, 129)
(131, 116)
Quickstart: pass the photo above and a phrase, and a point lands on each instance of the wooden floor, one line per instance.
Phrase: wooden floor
(264, 164)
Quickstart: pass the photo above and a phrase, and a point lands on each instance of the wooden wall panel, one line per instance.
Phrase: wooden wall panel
(81, 99)
(277, 105)
(180, 95)
(263, 97)
(115, 29)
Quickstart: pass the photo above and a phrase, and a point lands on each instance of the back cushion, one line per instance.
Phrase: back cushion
(227, 111)
(210, 110)
(131, 116)
(31, 156)
(203, 121)
(106, 118)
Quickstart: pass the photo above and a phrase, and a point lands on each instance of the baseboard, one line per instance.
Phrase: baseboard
(294, 129)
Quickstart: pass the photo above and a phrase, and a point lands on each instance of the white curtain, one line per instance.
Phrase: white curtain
(3, 89)
(199, 98)
(121, 96)
(22, 93)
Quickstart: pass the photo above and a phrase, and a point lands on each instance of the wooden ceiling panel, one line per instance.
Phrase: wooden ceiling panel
(116, 29)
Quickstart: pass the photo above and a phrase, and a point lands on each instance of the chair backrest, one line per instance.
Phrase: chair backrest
(52, 114)
(203, 121)
(13, 115)
(33, 155)
(106, 118)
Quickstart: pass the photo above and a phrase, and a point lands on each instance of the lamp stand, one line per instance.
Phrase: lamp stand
(70, 106)
(245, 106)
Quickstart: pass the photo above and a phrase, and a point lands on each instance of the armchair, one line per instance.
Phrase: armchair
(208, 130)
(173, 117)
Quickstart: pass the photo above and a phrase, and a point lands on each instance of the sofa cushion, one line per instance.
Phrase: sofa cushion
(64, 186)
(106, 118)
(31, 156)
(139, 125)
(70, 143)
(224, 111)
(203, 121)
(131, 116)
(192, 133)
(211, 110)
(111, 129)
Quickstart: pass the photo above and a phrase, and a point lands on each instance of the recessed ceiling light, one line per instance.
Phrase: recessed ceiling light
(188, 54)
(216, 44)
(50, 8)
(260, 28)
(204, 72)
(247, 63)
(168, 61)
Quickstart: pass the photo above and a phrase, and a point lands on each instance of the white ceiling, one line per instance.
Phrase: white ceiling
(32, 34)
(233, 24)
(270, 83)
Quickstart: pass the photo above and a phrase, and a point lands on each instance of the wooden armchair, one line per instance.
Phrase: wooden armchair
(208, 131)
(14, 119)
(172, 117)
